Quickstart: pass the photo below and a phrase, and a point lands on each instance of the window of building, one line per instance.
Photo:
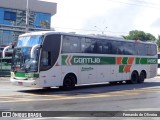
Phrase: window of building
(9, 15)
(6, 37)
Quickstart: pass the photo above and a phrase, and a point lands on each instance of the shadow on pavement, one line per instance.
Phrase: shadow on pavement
(93, 89)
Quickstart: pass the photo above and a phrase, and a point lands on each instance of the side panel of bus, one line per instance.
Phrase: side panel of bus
(50, 61)
(87, 74)
(94, 69)
(51, 77)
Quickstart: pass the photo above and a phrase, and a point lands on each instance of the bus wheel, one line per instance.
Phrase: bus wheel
(47, 88)
(142, 77)
(134, 78)
(113, 83)
(69, 82)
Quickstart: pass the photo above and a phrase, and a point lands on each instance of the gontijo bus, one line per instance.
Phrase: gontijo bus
(48, 59)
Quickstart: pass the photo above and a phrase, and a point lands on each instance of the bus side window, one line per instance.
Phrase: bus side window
(142, 50)
(116, 47)
(109, 47)
(101, 48)
(129, 48)
(46, 59)
(71, 44)
(86, 45)
(154, 49)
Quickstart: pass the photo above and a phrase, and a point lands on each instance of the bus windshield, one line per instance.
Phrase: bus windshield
(22, 60)
(29, 40)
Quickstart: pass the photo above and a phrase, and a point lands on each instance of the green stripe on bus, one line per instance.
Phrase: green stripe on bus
(26, 75)
(64, 57)
(99, 60)
(125, 60)
(121, 68)
(138, 60)
(87, 60)
(146, 60)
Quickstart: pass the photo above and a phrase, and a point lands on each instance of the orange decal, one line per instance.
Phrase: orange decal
(119, 60)
(127, 68)
(130, 60)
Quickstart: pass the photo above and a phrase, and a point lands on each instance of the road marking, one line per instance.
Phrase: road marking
(33, 97)
(64, 97)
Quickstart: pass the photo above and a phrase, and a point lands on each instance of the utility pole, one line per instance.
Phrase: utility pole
(27, 16)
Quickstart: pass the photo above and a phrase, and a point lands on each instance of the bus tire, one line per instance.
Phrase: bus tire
(142, 77)
(113, 82)
(134, 78)
(69, 82)
(47, 88)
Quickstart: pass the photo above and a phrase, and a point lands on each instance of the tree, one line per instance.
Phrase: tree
(139, 35)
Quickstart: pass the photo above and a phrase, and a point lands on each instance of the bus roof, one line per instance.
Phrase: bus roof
(80, 35)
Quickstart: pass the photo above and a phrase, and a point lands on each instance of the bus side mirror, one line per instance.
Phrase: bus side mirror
(33, 49)
(4, 51)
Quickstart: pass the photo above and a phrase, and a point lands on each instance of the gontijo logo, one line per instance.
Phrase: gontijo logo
(86, 60)
(78, 60)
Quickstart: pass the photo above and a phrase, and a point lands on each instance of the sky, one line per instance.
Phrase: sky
(109, 17)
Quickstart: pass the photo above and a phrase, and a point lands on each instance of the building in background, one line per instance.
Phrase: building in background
(13, 18)
(13, 23)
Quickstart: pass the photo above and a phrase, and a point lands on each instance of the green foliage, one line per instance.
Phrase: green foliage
(139, 35)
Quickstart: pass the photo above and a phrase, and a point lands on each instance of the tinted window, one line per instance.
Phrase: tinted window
(100, 45)
(45, 59)
(128, 48)
(9, 15)
(71, 44)
(50, 51)
(142, 49)
(90, 45)
(153, 50)
(83, 45)
(117, 47)
(104, 47)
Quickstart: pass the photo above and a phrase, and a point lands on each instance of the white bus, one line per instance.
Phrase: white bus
(56, 59)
